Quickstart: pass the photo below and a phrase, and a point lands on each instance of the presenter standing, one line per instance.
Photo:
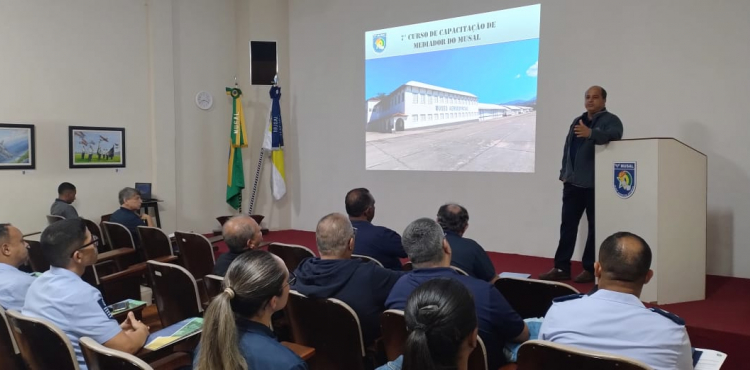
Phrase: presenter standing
(595, 127)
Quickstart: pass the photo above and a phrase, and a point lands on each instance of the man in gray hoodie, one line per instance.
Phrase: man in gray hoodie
(595, 127)
(364, 286)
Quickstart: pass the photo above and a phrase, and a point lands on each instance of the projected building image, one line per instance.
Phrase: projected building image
(458, 94)
(416, 105)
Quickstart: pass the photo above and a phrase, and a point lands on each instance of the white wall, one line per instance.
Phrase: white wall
(672, 68)
(138, 65)
(205, 59)
(77, 62)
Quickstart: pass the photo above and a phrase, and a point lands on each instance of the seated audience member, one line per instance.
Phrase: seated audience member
(431, 255)
(466, 254)
(241, 233)
(13, 254)
(66, 195)
(378, 242)
(63, 298)
(237, 328)
(613, 319)
(127, 215)
(362, 285)
(442, 325)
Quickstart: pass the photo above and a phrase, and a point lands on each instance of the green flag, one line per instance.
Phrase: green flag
(237, 141)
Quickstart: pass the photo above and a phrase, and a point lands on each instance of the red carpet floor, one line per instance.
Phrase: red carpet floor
(720, 322)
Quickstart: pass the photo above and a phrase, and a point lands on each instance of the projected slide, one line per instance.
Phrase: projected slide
(457, 94)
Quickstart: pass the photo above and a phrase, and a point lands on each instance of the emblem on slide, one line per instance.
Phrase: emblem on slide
(625, 179)
(378, 42)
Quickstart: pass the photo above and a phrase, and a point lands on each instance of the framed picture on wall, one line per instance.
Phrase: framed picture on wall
(96, 147)
(17, 147)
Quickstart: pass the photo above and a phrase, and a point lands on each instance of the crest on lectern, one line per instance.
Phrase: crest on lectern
(625, 179)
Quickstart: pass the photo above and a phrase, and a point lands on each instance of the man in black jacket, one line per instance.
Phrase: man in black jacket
(364, 286)
(595, 127)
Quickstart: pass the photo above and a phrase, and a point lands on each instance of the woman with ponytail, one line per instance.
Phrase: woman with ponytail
(442, 325)
(236, 327)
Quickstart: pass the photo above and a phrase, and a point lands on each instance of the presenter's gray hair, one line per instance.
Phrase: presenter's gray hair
(126, 194)
(423, 241)
(333, 233)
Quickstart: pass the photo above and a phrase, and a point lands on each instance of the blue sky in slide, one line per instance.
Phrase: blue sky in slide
(496, 73)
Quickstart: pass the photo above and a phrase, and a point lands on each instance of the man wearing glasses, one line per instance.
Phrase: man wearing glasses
(13, 254)
(74, 306)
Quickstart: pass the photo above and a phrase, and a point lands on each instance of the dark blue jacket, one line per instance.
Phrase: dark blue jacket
(498, 322)
(364, 286)
(469, 256)
(131, 221)
(605, 127)
(380, 243)
(261, 349)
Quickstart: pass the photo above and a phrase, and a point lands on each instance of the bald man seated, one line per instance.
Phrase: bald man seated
(362, 285)
(241, 233)
(613, 319)
(13, 282)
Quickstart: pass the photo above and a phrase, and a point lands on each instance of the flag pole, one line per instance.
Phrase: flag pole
(251, 204)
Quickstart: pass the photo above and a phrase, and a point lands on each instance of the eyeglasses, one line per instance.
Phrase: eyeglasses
(292, 279)
(94, 242)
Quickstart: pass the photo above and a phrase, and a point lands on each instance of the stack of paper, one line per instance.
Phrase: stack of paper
(709, 359)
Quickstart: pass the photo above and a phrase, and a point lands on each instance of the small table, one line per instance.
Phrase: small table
(146, 204)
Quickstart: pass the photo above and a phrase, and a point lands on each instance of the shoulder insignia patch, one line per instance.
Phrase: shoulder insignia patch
(104, 307)
(567, 298)
(676, 319)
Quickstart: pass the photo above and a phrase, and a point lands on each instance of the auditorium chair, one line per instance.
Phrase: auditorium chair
(121, 285)
(43, 345)
(394, 334)
(36, 259)
(156, 245)
(460, 271)
(99, 357)
(393, 329)
(196, 252)
(291, 254)
(97, 232)
(407, 266)
(332, 328)
(213, 285)
(10, 356)
(118, 236)
(176, 292)
(366, 259)
(51, 219)
(531, 297)
(545, 355)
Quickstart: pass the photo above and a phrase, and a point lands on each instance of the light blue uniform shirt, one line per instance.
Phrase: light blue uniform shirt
(13, 286)
(77, 308)
(619, 323)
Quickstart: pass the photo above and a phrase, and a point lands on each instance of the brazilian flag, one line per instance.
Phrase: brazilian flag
(237, 141)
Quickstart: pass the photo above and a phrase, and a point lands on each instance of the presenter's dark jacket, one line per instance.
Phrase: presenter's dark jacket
(380, 243)
(469, 256)
(578, 155)
(364, 286)
(497, 321)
